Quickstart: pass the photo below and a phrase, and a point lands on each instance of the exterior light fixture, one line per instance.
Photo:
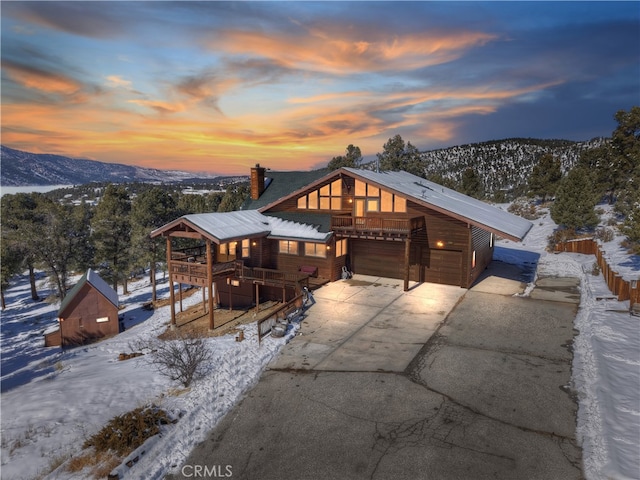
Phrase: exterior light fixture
(439, 244)
(328, 247)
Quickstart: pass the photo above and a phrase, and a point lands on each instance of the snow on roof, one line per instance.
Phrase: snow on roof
(432, 194)
(96, 280)
(247, 223)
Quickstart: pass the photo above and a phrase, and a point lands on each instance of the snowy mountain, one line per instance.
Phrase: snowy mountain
(503, 164)
(23, 168)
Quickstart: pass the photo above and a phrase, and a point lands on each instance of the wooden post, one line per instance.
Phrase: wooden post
(180, 295)
(257, 297)
(407, 251)
(210, 283)
(172, 297)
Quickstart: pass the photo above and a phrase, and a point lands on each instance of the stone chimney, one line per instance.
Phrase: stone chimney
(257, 181)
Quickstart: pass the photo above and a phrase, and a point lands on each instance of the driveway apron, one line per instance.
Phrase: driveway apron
(434, 383)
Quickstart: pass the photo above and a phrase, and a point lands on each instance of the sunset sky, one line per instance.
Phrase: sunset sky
(220, 86)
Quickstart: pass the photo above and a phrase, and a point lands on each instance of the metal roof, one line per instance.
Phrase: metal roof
(227, 226)
(446, 200)
(94, 280)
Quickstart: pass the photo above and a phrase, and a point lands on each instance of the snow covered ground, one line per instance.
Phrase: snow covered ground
(53, 400)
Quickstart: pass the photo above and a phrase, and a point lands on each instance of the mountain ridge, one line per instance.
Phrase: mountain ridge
(502, 165)
(20, 168)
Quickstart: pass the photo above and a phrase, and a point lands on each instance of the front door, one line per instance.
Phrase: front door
(359, 212)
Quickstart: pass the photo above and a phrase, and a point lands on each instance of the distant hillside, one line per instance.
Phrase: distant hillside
(26, 169)
(503, 164)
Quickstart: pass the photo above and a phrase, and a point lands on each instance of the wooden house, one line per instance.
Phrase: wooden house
(88, 312)
(302, 225)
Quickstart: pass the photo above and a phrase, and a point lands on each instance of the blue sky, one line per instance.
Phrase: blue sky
(220, 86)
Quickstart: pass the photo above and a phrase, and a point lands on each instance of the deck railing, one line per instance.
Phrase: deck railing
(386, 225)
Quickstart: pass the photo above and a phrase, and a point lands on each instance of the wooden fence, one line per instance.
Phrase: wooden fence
(624, 289)
(266, 324)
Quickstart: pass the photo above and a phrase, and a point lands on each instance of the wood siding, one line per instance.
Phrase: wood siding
(79, 320)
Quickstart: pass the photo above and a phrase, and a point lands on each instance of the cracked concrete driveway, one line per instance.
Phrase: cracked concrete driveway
(478, 390)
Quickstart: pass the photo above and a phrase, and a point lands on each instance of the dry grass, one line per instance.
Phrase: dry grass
(194, 321)
(100, 464)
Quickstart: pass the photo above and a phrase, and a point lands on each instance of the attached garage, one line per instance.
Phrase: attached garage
(377, 257)
(443, 266)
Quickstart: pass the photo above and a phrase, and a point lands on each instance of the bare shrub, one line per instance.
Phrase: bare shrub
(124, 433)
(523, 208)
(560, 235)
(604, 234)
(181, 358)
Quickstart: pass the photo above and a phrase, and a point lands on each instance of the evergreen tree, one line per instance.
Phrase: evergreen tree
(545, 177)
(111, 227)
(21, 220)
(150, 210)
(472, 184)
(352, 158)
(575, 201)
(397, 156)
(626, 147)
(234, 198)
(63, 241)
(10, 265)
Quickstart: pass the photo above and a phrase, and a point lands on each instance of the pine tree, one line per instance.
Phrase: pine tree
(398, 156)
(545, 177)
(471, 184)
(352, 158)
(111, 227)
(150, 210)
(576, 198)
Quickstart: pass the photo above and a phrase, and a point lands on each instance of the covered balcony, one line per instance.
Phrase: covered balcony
(366, 227)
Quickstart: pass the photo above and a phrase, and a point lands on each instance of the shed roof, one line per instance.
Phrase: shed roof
(222, 227)
(96, 281)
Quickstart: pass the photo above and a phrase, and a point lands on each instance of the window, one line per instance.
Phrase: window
(224, 249)
(246, 252)
(302, 203)
(341, 247)
(386, 204)
(399, 204)
(288, 246)
(373, 204)
(315, 250)
(313, 200)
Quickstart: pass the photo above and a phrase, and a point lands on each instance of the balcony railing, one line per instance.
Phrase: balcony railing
(380, 225)
(196, 273)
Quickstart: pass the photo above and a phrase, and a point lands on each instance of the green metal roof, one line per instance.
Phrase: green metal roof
(92, 278)
(281, 184)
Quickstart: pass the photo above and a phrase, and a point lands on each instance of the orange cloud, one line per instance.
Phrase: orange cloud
(43, 81)
(338, 53)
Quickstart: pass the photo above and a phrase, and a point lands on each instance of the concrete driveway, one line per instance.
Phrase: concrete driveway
(477, 390)
(368, 324)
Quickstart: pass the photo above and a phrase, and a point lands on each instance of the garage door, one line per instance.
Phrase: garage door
(443, 266)
(377, 257)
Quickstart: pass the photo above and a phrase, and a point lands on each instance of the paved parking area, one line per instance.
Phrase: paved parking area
(368, 324)
(479, 389)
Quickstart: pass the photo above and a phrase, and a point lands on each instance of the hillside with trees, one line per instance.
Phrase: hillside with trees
(107, 226)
